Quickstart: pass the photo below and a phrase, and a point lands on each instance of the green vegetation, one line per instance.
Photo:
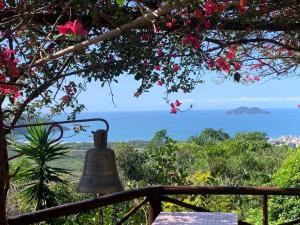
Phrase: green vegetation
(211, 158)
(39, 174)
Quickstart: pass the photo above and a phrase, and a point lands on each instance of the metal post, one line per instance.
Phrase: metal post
(154, 205)
(265, 209)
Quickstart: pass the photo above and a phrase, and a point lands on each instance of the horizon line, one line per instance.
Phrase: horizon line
(193, 109)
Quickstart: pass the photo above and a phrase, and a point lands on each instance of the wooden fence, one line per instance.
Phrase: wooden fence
(154, 196)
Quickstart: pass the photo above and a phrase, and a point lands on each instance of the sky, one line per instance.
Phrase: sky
(273, 93)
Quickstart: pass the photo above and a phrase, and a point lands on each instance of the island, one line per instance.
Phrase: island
(246, 110)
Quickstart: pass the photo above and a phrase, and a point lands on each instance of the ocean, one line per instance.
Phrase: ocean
(130, 126)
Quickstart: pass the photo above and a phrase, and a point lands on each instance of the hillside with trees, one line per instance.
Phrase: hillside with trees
(211, 158)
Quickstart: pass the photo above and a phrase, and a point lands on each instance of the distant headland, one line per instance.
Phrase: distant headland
(246, 110)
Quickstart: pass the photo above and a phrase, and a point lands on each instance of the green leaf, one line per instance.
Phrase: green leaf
(237, 77)
(40, 150)
(120, 2)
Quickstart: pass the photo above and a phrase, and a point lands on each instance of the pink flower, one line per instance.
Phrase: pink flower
(257, 66)
(8, 52)
(247, 78)
(242, 7)
(15, 61)
(256, 78)
(159, 53)
(72, 28)
(237, 65)
(66, 99)
(137, 94)
(176, 67)
(198, 13)
(210, 7)
(144, 37)
(223, 6)
(298, 105)
(207, 25)
(156, 28)
(10, 90)
(223, 64)
(243, 3)
(231, 53)
(78, 29)
(173, 110)
(177, 103)
(262, 6)
(192, 40)
(65, 29)
(157, 67)
(14, 72)
(291, 53)
(169, 25)
(2, 5)
(17, 94)
(159, 83)
(187, 22)
(242, 10)
(210, 63)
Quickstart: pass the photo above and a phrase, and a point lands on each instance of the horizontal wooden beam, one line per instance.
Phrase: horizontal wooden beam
(224, 190)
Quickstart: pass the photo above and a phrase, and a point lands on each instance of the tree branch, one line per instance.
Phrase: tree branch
(143, 20)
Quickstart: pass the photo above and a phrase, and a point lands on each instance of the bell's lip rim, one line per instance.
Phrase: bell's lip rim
(100, 150)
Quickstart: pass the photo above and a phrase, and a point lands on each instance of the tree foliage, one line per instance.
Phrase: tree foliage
(244, 161)
(131, 161)
(288, 175)
(210, 135)
(229, 162)
(251, 136)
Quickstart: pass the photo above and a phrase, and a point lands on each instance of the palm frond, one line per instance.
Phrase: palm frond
(40, 150)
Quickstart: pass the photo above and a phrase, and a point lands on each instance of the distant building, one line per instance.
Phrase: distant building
(289, 140)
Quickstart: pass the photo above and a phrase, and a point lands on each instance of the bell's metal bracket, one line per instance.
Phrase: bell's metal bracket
(57, 124)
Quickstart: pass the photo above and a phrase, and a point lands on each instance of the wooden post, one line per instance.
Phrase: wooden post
(101, 216)
(154, 204)
(4, 179)
(265, 209)
(101, 213)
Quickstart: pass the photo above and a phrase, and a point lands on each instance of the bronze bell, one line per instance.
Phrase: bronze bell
(100, 175)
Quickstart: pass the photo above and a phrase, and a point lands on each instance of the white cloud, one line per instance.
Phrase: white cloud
(188, 100)
(252, 99)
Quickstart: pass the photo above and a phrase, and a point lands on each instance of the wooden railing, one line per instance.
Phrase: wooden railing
(155, 195)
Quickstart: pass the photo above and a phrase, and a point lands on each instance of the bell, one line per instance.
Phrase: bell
(100, 175)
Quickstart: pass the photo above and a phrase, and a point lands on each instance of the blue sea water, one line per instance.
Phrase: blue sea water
(128, 126)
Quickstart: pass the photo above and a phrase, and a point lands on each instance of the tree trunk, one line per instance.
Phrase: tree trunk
(4, 179)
